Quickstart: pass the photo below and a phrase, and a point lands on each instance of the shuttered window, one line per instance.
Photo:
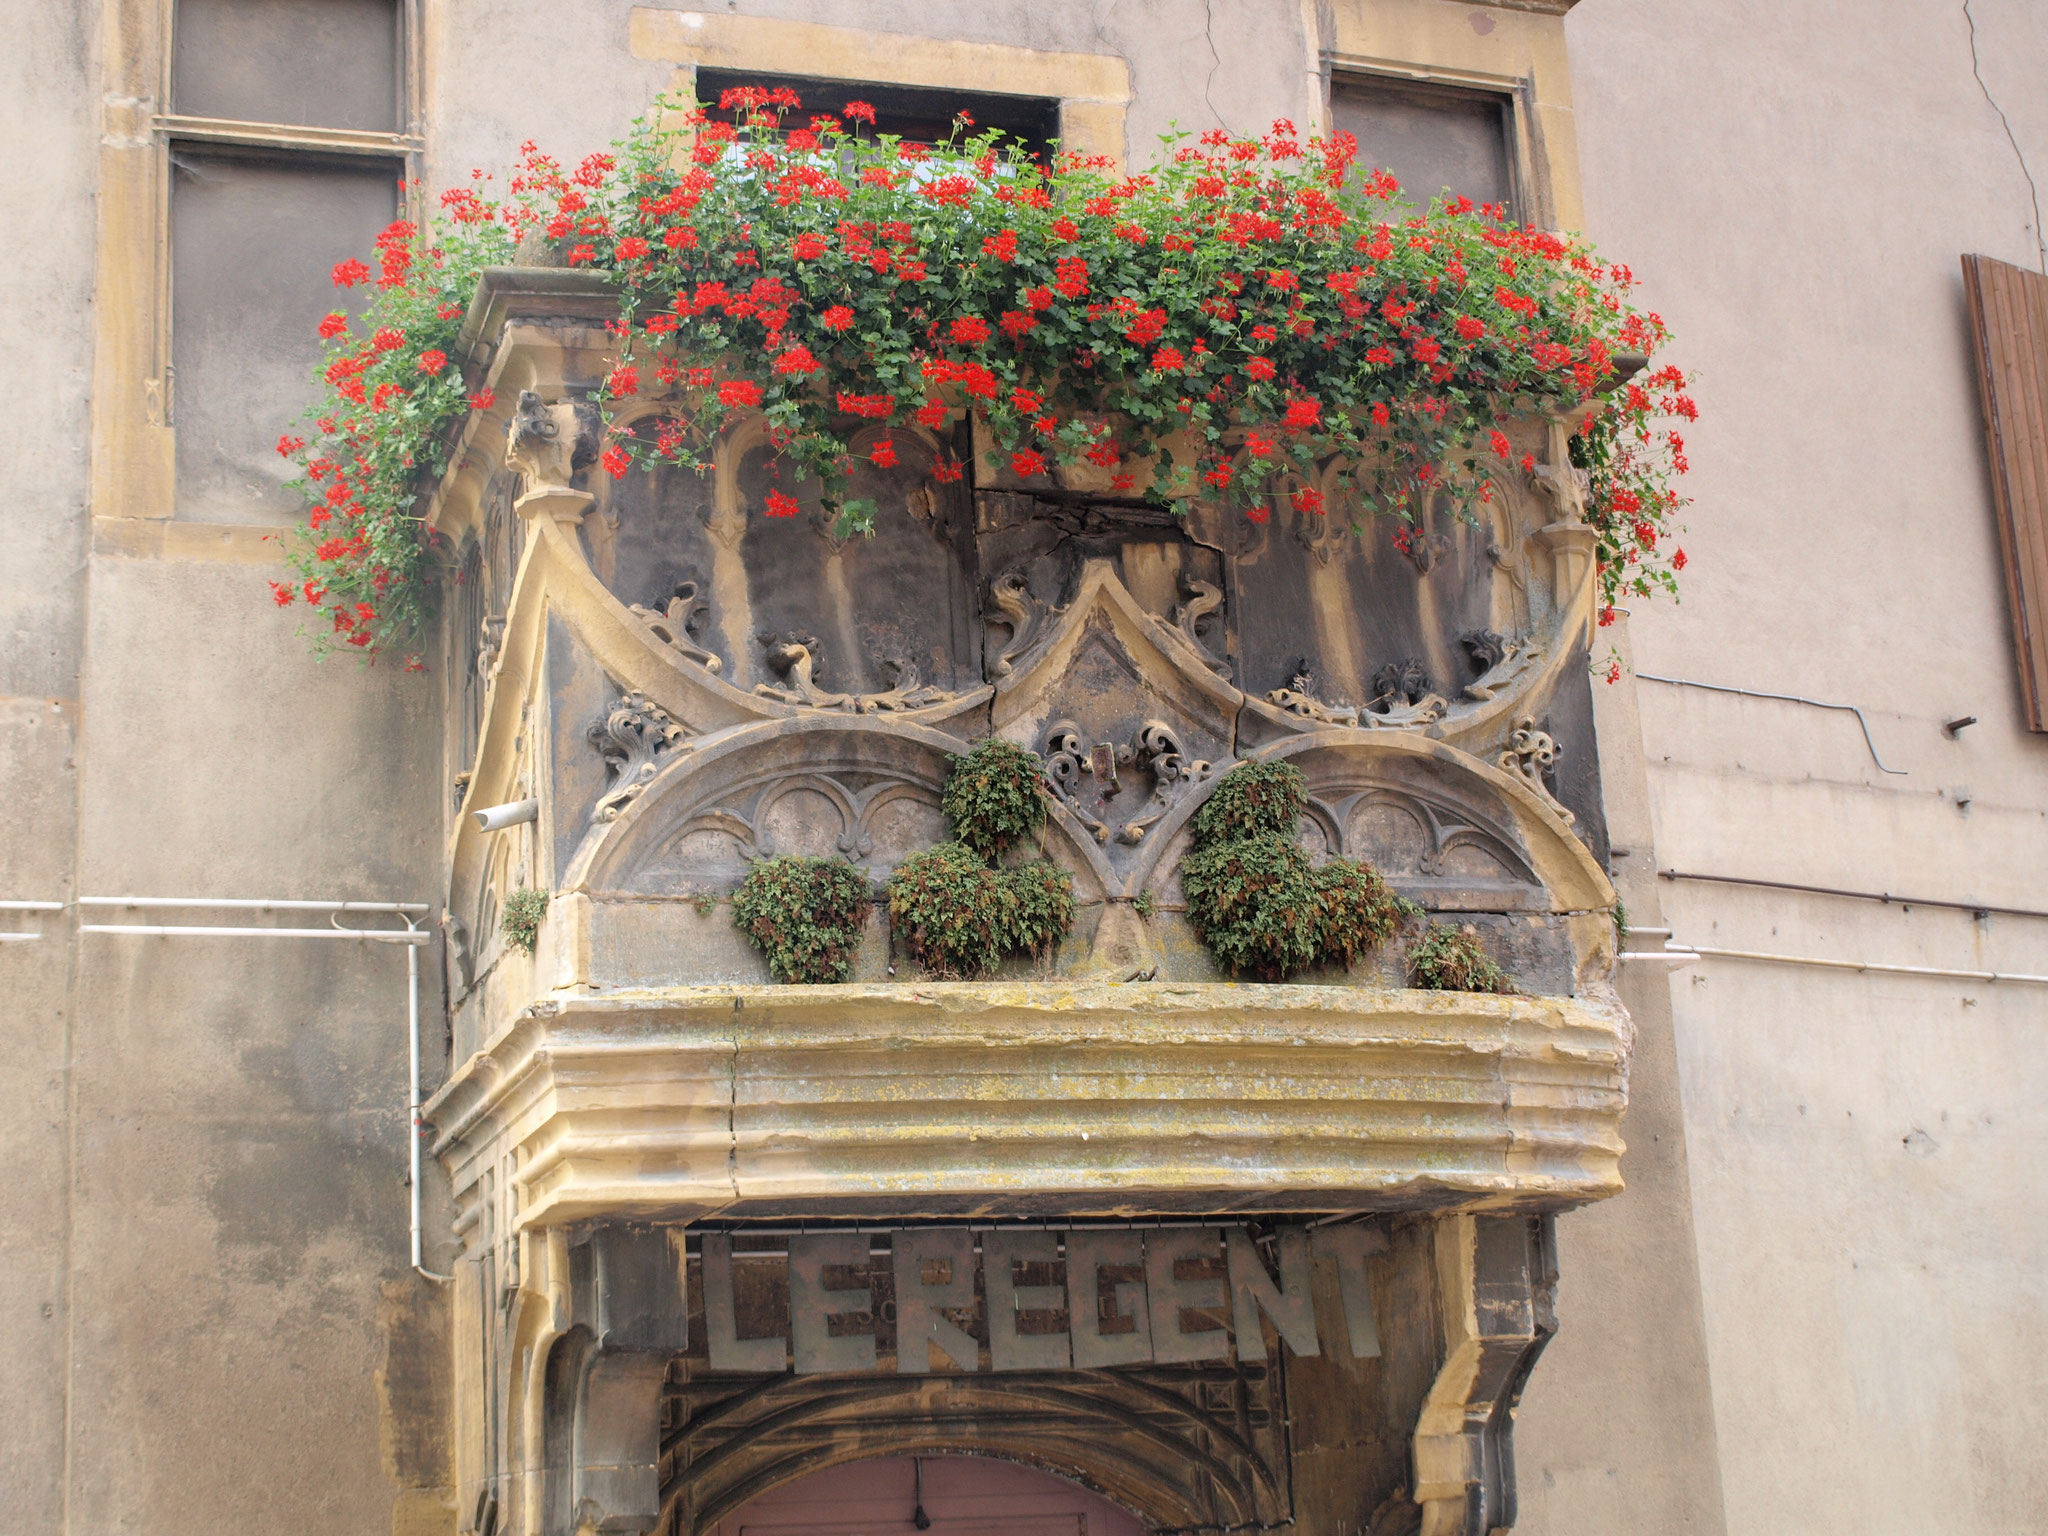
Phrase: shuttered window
(2009, 325)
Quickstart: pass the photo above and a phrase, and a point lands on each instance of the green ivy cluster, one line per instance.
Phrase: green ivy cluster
(521, 923)
(805, 915)
(1453, 960)
(1257, 900)
(956, 909)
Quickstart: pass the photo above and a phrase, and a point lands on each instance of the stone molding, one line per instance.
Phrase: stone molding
(1078, 1099)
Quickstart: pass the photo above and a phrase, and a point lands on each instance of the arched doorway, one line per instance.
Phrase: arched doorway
(957, 1496)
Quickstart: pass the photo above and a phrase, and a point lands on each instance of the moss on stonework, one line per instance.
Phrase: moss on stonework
(805, 915)
(1453, 960)
(1257, 899)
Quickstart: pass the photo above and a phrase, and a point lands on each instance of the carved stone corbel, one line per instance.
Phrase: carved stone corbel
(548, 444)
(1497, 1279)
(632, 737)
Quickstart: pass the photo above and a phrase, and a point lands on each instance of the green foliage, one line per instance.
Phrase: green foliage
(1360, 912)
(1257, 899)
(1250, 799)
(521, 923)
(1453, 960)
(705, 902)
(958, 915)
(805, 915)
(1254, 902)
(1145, 903)
(992, 796)
(1620, 925)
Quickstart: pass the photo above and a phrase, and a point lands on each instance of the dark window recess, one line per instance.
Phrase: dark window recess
(924, 116)
(317, 63)
(2009, 325)
(254, 238)
(1432, 140)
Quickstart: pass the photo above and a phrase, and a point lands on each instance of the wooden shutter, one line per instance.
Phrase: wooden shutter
(2009, 324)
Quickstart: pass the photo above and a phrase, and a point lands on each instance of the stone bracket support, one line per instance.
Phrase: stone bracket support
(1497, 1287)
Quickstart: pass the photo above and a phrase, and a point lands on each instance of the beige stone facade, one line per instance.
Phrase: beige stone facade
(1775, 1209)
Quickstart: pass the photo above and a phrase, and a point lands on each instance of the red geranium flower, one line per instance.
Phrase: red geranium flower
(797, 360)
(333, 325)
(1302, 415)
(883, 455)
(739, 392)
(433, 360)
(348, 273)
(1026, 462)
(970, 331)
(780, 505)
(616, 460)
(837, 318)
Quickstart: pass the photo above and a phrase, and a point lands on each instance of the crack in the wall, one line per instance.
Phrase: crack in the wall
(2033, 191)
(732, 1108)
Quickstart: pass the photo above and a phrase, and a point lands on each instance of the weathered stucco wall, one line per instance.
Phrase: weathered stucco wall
(47, 115)
(1797, 184)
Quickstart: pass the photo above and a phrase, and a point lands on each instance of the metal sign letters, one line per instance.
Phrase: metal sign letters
(957, 1299)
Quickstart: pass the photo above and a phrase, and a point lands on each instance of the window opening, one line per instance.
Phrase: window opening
(285, 156)
(1434, 140)
(914, 113)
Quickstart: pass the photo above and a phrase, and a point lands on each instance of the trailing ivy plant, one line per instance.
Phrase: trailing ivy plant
(992, 796)
(1256, 898)
(1260, 300)
(805, 915)
(1453, 960)
(959, 911)
(524, 909)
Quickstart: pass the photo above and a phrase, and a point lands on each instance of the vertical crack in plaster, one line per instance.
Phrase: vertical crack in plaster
(2033, 192)
(732, 1107)
(1209, 37)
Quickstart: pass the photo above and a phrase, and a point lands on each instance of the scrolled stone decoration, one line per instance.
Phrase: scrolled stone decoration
(1402, 697)
(1157, 748)
(1202, 599)
(1154, 748)
(1299, 698)
(676, 625)
(1011, 604)
(794, 655)
(631, 738)
(490, 641)
(1068, 757)
(1530, 754)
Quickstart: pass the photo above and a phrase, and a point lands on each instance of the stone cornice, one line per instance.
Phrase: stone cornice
(950, 1099)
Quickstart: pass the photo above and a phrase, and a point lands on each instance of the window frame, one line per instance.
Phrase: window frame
(1530, 189)
(403, 147)
(1520, 176)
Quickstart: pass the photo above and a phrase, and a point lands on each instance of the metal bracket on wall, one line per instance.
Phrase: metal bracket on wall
(1783, 698)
